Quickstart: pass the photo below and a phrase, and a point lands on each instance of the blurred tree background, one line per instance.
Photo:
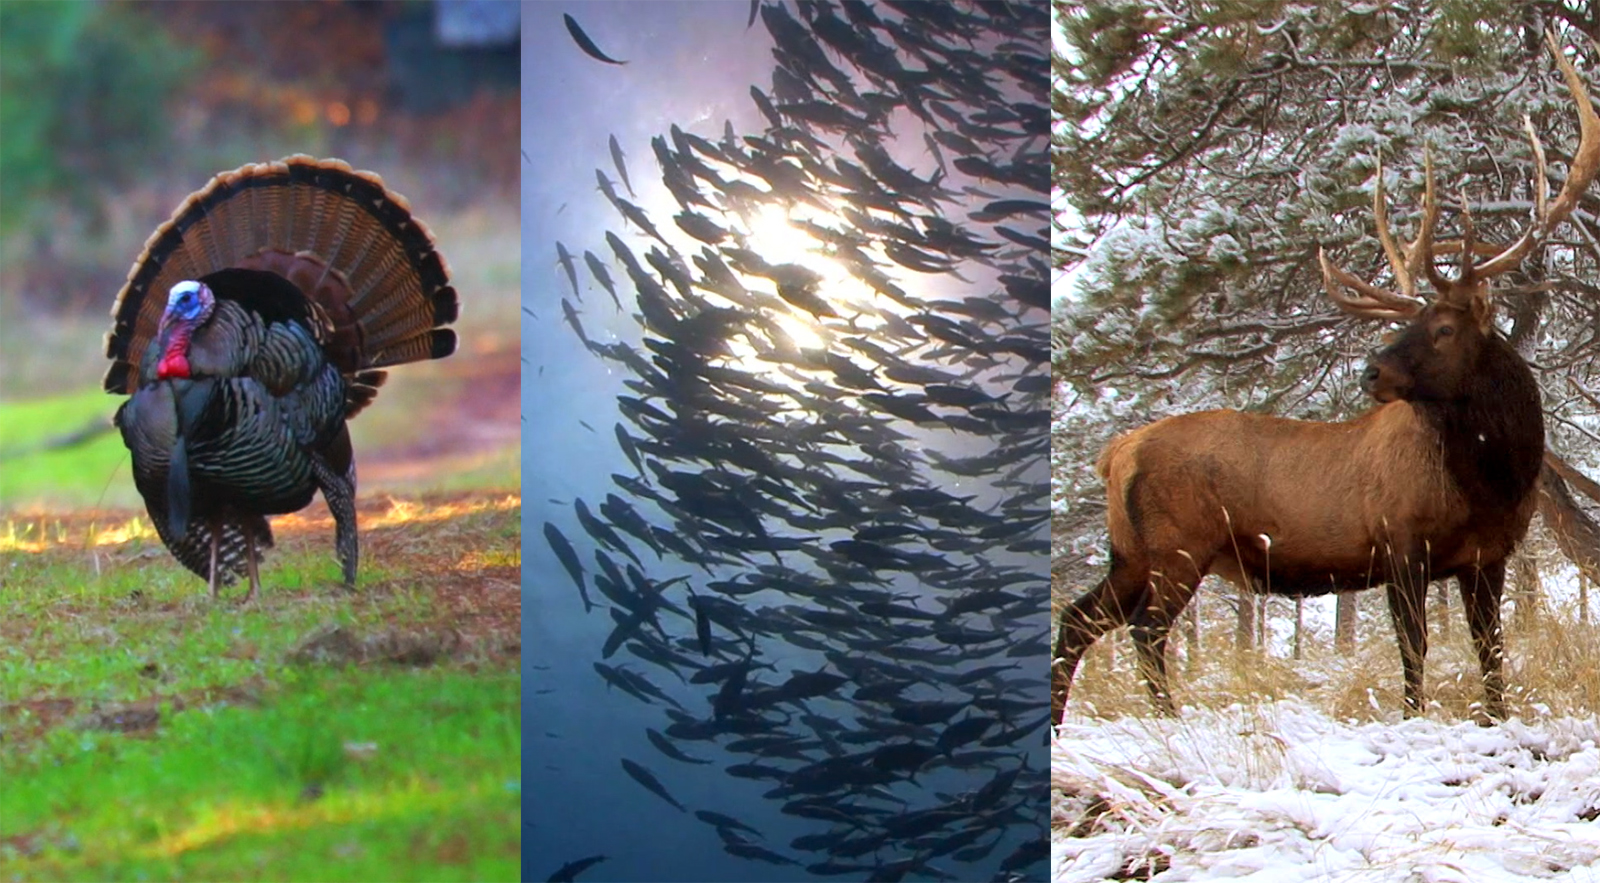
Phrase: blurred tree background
(111, 113)
(84, 89)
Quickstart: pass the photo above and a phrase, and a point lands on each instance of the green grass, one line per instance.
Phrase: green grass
(92, 473)
(366, 775)
(173, 624)
(148, 732)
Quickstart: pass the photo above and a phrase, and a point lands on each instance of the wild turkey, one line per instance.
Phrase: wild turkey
(250, 329)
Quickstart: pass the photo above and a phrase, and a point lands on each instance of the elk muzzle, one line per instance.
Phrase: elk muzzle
(1382, 382)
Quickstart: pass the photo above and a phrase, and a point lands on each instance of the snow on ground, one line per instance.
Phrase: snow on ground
(1281, 792)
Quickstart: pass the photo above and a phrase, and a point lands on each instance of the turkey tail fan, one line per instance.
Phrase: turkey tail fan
(341, 236)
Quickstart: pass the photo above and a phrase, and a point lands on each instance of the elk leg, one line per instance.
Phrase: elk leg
(1406, 596)
(1480, 595)
(1153, 624)
(1081, 624)
(1151, 642)
(1407, 590)
(1109, 604)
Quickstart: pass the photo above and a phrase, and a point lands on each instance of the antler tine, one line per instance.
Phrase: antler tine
(1580, 173)
(1469, 241)
(1422, 249)
(1586, 160)
(1479, 249)
(1403, 274)
(1516, 251)
(1372, 302)
(1541, 186)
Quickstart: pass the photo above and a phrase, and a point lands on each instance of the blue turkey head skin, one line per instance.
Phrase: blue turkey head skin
(189, 305)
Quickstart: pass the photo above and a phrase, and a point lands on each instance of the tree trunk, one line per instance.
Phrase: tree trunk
(1526, 591)
(1576, 533)
(1106, 649)
(1344, 622)
(1261, 620)
(1244, 633)
(1191, 634)
(1441, 609)
(1299, 624)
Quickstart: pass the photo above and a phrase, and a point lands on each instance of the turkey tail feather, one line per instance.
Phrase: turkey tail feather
(339, 492)
(340, 235)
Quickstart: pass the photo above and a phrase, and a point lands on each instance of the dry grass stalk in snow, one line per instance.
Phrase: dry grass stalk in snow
(1281, 790)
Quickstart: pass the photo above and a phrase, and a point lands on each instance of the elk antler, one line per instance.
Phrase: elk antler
(1585, 162)
(1372, 302)
(1380, 303)
(1406, 260)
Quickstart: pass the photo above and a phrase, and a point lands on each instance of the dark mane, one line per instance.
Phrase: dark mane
(1493, 436)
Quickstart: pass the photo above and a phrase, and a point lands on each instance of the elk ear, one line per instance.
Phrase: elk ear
(1482, 309)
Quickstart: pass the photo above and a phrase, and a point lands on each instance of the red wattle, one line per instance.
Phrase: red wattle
(173, 364)
(175, 360)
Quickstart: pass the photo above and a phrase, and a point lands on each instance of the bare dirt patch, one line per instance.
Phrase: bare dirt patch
(475, 411)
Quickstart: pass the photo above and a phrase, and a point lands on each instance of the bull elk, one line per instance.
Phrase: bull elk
(1437, 481)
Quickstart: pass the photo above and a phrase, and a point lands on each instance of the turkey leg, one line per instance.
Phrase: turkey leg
(250, 565)
(340, 493)
(216, 544)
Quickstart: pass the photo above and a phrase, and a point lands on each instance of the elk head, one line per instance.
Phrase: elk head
(1432, 356)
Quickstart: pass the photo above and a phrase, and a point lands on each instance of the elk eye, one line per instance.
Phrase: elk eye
(1445, 330)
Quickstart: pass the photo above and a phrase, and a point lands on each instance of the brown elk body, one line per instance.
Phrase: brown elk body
(1438, 481)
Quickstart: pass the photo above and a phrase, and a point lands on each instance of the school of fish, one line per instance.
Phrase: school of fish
(827, 566)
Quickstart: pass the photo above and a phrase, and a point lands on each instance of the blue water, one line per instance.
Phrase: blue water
(689, 64)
